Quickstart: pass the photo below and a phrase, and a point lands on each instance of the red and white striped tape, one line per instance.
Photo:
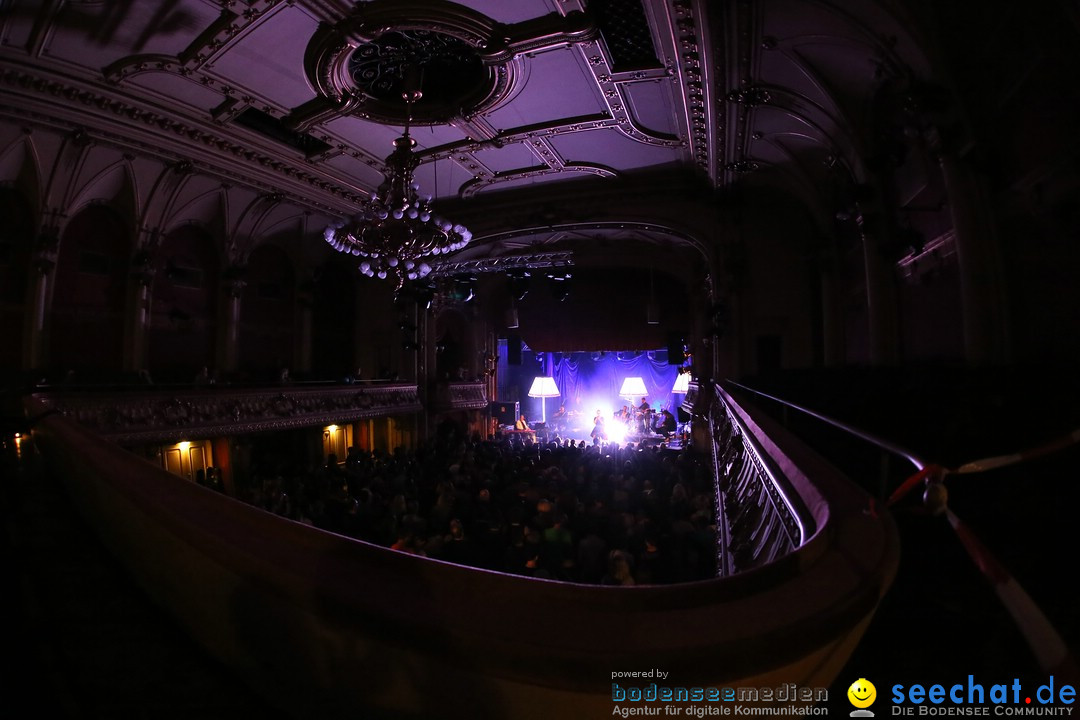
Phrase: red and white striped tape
(1049, 648)
(930, 471)
(938, 472)
(1001, 460)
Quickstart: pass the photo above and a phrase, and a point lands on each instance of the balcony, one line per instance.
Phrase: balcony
(138, 415)
(450, 396)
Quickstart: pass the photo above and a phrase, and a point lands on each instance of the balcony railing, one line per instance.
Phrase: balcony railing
(349, 605)
(761, 516)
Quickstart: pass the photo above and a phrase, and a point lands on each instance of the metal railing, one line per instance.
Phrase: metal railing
(888, 449)
(759, 515)
(1048, 647)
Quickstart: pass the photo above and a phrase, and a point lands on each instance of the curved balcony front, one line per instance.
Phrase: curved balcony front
(327, 626)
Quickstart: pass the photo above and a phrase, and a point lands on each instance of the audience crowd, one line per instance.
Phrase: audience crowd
(586, 513)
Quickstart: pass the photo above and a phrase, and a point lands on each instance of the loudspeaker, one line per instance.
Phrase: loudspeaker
(505, 412)
(513, 349)
(675, 354)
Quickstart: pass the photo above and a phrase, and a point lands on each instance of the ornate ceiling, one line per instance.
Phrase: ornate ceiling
(300, 98)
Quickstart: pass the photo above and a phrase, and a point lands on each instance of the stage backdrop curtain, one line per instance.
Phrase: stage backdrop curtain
(583, 378)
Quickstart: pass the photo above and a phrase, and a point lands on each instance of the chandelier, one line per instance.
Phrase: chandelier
(396, 232)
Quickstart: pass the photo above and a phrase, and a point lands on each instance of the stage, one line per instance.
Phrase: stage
(543, 433)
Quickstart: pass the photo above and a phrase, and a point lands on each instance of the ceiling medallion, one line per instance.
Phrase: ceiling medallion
(454, 74)
(356, 66)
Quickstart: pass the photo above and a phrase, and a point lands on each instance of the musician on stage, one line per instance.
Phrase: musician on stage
(558, 420)
(522, 424)
(643, 417)
(599, 432)
(666, 423)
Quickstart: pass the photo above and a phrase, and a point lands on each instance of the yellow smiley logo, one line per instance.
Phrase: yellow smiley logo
(862, 693)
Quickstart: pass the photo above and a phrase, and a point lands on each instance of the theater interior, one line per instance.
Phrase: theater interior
(251, 234)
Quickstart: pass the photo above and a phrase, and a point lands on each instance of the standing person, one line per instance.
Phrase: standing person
(644, 416)
(599, 432)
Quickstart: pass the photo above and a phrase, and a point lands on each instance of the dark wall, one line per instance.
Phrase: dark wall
(86, 333)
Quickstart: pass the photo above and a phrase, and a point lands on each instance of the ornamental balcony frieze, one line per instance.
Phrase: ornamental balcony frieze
(169, 416)
(459, 396)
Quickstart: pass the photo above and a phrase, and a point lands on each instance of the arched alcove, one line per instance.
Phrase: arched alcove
(15, 251)
(86, 331)
(267, 312)
(183, 317)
